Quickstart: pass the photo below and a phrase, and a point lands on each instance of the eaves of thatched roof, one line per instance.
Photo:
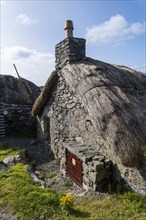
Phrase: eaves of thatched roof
(115, 99)
(45, 94)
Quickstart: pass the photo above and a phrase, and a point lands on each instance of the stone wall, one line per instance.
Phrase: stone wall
(70, 49)
(69, 123)
(17, 118)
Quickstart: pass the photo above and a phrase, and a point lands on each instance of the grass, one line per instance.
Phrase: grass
(19, 194)
(5, 152)
(127, 206)
(30, 202)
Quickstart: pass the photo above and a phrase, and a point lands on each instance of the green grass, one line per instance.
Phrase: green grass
(5, 152)
(30, 202)
(50, 175)
(22, 197)
(127, 206)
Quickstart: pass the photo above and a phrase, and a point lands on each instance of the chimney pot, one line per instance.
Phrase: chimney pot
(68, 28)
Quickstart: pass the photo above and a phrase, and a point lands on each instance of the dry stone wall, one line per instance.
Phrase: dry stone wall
(70, 49)
(17, 118)
(69, 123)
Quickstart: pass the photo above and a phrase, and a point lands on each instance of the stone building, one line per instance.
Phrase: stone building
(16, 99)
(94, 115)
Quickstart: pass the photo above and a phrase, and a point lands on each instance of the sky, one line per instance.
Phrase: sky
(115, 32)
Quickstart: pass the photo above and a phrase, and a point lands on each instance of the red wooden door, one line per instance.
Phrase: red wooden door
(74, 168)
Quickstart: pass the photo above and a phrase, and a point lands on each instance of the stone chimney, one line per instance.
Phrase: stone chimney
(71, 48)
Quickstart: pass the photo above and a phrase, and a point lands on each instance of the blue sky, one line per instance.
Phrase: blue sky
(115, 32)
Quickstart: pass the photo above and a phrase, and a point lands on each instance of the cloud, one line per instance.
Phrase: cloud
(32, 64)
(115, 31)
(24, 19)
(22, 53)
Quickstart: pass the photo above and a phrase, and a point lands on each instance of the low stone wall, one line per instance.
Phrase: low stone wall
(97, 170)
(17, 118)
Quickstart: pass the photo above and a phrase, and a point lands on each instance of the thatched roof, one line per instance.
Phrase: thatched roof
(45, 94)
(115, 99)
(17, 91)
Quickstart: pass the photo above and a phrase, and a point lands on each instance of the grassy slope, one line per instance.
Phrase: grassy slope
(30, 202)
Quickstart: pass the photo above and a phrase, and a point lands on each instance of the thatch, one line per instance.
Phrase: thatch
(115, 99)
(17, 91)
(44, 96)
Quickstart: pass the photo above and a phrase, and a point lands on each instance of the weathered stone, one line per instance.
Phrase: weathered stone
(3, 166)
(18, 119)
(12, 160)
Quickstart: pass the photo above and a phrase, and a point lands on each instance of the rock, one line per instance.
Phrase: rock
(13, 160)
(3, 166)
(50, 182)
(39, 174)
(34, 177)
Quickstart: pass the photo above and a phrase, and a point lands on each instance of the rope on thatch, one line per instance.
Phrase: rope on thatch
(43, 97)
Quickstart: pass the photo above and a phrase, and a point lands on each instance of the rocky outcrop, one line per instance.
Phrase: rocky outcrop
(17, 91)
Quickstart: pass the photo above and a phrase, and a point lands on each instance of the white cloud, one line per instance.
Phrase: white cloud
(32, 64)
(115, 31)
(19, 53)
(24, 19)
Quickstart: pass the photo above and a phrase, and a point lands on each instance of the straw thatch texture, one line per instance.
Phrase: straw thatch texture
(44, 96)
(17, 91)
(115, 99)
